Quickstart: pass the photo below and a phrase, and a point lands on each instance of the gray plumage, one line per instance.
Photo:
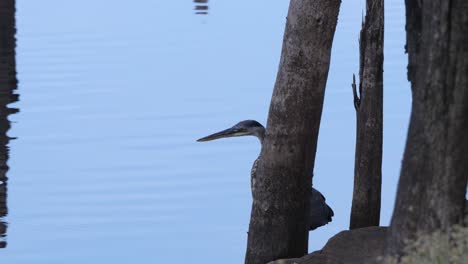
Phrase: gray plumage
(319, 214)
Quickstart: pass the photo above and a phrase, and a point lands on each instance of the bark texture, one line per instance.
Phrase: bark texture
(278, 226)
(365, 209)
(8, 84)
(432, 186)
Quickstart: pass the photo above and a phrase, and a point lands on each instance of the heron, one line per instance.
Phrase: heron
(320, 213)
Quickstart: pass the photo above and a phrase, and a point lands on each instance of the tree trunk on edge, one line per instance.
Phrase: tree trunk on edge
(368, 164)
(432, 186)
(278, 227)
(8, 84)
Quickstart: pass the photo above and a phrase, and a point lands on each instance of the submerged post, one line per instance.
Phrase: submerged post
(365, 209)
(433, 180)
(278, 227)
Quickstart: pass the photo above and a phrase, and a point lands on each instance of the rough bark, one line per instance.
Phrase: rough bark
(368, 161)
(278, 227)
(432, 186)
(8, 84)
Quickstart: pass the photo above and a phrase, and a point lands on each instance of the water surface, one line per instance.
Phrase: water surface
(105, 167)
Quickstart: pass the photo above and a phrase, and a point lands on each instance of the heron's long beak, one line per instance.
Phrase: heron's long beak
(230, 132)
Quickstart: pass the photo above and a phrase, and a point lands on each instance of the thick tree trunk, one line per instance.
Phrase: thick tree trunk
(8, 84)
(368, 164)
(278, 227)
(431, 191)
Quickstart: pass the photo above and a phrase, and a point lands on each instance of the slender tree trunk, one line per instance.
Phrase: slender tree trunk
(432, 186)
(368, 164)
(278, 227)
(8, 84)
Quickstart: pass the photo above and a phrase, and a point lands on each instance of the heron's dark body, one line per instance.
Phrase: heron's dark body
(320, 213)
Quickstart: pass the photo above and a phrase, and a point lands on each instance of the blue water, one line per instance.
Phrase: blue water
(113, 95)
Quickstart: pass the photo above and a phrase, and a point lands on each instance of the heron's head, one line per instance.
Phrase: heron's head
(243, 128)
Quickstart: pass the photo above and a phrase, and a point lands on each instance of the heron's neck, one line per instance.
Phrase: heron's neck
(260, 135)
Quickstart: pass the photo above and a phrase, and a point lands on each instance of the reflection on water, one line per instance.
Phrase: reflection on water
(8, 84)
(201, 7)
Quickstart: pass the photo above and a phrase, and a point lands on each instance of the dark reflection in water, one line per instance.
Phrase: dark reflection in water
(201, 7)
(8, 83)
